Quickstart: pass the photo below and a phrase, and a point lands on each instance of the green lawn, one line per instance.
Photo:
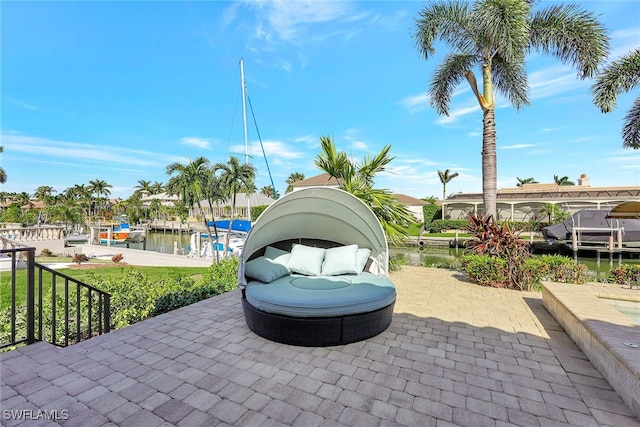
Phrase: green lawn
(109, 271)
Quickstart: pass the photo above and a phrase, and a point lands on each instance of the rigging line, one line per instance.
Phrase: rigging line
(233, 117)
(264, 154)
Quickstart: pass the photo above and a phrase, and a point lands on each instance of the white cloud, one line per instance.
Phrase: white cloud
(292, 21)
(553, 80)
(516, 146)
(624, 41)
(416, 103)
(456, 114)
(273, 149)
(196, 142)
(79, 152)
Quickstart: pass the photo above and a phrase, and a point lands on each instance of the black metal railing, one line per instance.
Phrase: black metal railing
(46, 305)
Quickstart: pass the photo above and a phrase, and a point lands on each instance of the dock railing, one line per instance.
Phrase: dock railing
(45, 305)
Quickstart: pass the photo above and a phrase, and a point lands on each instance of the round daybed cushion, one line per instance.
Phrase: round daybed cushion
(322, 296)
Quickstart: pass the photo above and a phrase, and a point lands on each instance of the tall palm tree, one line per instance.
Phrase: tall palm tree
(3, 173)
(523, 181)
(100, 188)
(234, 177)
(495, 36)
(445, 177)
(81, 195)
(562, 180)
(357, 179)
(143, 185)
(619, 77)
(267, 190)
(191, 182)
(294, 177)
(157, 187)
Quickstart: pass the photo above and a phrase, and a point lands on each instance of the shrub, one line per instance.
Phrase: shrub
(500, 241)
(220, 278)
(625, 274)
(438, 225)
(256, 211)
(396, 261)
(79, 258)
(554, 268)
(431, 213)
(485, 270)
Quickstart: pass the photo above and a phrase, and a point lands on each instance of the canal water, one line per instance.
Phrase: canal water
(166, 241)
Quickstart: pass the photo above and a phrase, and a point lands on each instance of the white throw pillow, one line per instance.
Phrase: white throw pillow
(340, 260)
(306, 260)
(265, 269)
(363, 258)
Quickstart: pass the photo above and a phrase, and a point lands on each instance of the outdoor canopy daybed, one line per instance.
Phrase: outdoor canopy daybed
(314, 268)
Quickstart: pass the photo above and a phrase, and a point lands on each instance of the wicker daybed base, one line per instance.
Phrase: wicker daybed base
(317, 331)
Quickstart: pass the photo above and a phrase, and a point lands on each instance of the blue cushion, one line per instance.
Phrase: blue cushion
(340, 260)
(299, 296)
(273, 253)
(306, 260)
(265, 269)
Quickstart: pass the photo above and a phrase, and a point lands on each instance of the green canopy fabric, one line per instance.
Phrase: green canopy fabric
(319, 213)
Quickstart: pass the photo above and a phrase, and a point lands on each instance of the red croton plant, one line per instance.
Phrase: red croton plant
(501, 241)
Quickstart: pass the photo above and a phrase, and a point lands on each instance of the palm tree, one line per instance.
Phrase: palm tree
(3, 173)
(143, 185)
(267, 190)
(357, 179)
(99, 188)
(524, 181)
(445, 177)
(554, 212)
(81, 195)
(294, 177)
(156, 187)
(192, 182)
(562, 181)
(618, 77)
(496, 35)
(234, 178)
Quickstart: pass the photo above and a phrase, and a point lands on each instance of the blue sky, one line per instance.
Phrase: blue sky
(119, 90)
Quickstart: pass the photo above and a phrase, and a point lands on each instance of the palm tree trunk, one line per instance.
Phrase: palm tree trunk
(489, 163)
(444, 192)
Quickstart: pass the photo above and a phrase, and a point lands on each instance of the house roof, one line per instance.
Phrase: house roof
(324, 179)
(410, 201)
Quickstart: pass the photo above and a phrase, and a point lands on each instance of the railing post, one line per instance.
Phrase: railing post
(31, 312)
(107, 312)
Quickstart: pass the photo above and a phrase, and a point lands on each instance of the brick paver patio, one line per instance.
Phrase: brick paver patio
(455, 354)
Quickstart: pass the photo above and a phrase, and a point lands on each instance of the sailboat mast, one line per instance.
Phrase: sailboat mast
(246, 134)
(244, 113)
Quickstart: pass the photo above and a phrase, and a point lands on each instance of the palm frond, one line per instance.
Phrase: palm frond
(571, 34)
(510, 79)
(503, 27)
(446, 21)
(618, 77)
(631, 128)
(448, 75)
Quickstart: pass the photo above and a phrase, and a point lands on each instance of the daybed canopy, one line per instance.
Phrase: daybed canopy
(323, 213)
